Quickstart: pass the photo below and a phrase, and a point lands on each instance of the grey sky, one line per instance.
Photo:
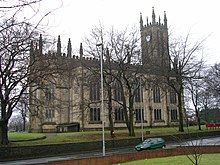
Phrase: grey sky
(76, 18)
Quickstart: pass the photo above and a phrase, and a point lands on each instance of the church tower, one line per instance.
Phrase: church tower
(154, 43)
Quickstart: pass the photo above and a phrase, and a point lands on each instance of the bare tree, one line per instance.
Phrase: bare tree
(22, 109)
(185, 68)
(191, 147)
(194, 88)
(121, 54)
(15, 40)
(209, 93)
(15, 124)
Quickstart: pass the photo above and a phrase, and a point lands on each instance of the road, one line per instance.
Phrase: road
(207, 141)
(200, 142)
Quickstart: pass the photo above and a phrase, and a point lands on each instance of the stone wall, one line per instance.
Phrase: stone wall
(119, 158)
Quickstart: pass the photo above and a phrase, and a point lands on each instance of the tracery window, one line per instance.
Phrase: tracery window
(95, 114)
(50, 115)
(156, 94)
(49, 93)
(138, 114)
(172, 96)
(173, 114)
(119, 114)
(157, 114)
(118, 92)
(139, 94)
(94, 90)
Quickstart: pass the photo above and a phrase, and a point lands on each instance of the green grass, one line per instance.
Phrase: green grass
(24, 136)
(206, 159)
(75, 137)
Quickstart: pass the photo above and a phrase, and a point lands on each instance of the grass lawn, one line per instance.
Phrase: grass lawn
(74, 137)
(206, 159)
(24, 135)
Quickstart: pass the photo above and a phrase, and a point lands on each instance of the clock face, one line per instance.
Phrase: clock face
(148, 38)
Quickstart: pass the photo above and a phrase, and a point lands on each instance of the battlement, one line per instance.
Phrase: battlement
(74, 57)
(36, 51)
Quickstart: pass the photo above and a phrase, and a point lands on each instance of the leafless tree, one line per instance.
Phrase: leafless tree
(194, 88)
(15, 124)
(121, 53)
(22, 109)
(191, 147)
(15, 39)
(209, 93)
(185, 68)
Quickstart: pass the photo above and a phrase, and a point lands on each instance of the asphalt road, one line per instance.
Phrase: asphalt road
(207, 141)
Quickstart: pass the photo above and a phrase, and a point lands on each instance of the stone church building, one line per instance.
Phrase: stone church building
(65, 97)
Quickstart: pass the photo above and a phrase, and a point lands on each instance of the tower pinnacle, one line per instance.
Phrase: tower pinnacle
(153, 16)
(40, 45)
(59, 46)
(141, 21)
(81, 51)
(69, 49)
(165, 19)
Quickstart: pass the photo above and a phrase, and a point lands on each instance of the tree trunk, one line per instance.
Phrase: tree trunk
(129, 121)
(131, 130)
(4, 132)
(111, 125)
(199, 124)
(180, 112)
(131, 117)
(24, 124)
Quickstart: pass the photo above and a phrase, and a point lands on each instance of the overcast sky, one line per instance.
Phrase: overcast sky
(76, 18)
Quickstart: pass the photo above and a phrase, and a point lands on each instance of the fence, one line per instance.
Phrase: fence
(212, 125)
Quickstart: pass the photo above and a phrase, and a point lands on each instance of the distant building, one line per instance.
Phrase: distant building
(70, 99)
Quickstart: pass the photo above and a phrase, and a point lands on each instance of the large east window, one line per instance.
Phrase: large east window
(94, 114)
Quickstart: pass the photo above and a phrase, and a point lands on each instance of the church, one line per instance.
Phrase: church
(64, 97)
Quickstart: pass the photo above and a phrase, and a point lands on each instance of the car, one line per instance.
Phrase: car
(151, 143)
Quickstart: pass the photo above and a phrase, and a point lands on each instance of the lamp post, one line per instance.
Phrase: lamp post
(102, 101)
(142, 110)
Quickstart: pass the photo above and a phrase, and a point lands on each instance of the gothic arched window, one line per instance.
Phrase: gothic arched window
(156, 94)
(118, 92)
(95, 114)
(139, 94)
(172, 96)
(49, 93)
(94, 90)
(119, 114)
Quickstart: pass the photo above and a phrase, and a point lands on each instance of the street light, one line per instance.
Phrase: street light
(142, 110)
(102, 101)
